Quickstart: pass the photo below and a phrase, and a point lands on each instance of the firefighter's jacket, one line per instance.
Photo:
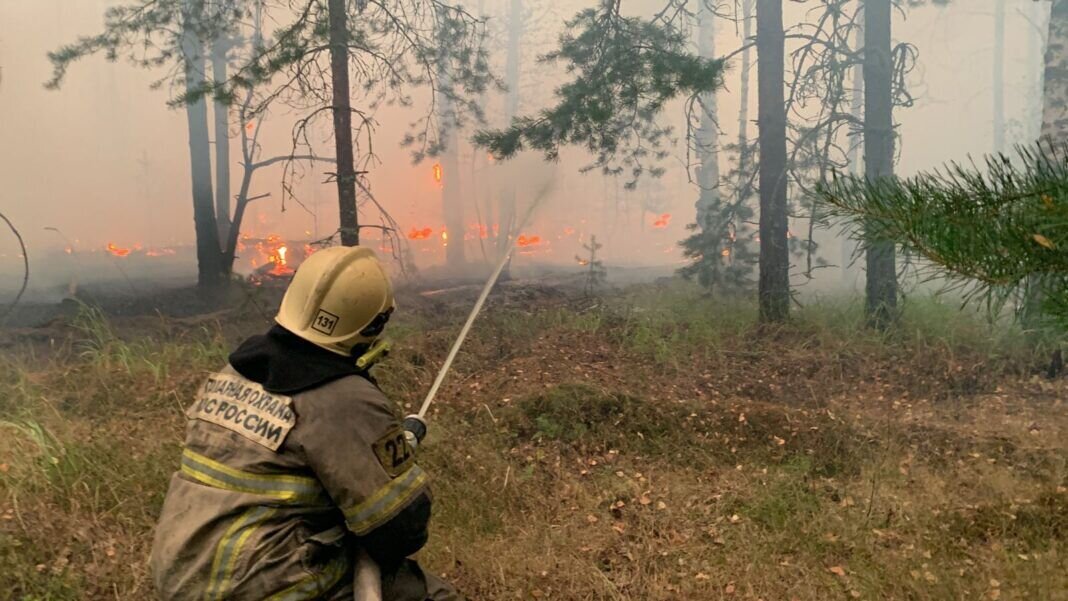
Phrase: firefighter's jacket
(276, 490)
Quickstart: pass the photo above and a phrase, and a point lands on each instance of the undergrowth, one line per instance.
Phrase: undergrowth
(653, 445)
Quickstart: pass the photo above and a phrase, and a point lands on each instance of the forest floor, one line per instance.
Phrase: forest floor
(647, 444)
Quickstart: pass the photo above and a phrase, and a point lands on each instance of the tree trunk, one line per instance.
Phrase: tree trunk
(506, 207)
(1036, 50)
(1054, 129)
(879, 153)
(346, 169)
(220, 49)
(856, 109)
(707, 137)
(451, 198)
(999, 76)
(1055, 86)
(743, 92)
(211, 273)
(774, 287)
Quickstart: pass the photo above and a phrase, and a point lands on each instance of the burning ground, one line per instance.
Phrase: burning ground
(648, 444)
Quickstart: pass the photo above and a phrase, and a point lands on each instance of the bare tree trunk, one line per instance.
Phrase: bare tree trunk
(999, 76)
(451, 198)
(849, 246)
(743, 92)
(1054, 128)
(346, 169)
(881, 285)
(506, 208)
(707, 137)
(1036, 49)
(1055, 86)
(211, 273)
(220, 49)
(774, 286)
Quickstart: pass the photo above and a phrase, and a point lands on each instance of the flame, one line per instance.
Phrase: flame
(726, 252)
(423, 234)
(662, 221)
(444, 237)
(69, 250)
(528, 241)
(477, 230)
(278, 257)
(438, 172)
(115, 250)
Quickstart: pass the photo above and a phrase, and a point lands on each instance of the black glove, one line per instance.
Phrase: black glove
(414, 430)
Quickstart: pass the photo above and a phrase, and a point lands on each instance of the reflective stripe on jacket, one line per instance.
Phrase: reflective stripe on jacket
(272, 490)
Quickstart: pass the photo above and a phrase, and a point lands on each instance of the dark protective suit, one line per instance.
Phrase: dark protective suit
(293, 459)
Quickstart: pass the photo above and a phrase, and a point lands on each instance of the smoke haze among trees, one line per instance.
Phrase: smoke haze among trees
(105, 160)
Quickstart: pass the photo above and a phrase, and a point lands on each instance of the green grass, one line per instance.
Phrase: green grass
(654, 445)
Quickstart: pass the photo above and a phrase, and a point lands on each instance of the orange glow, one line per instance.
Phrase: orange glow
(115, 250)
(569, 231)
(423, 234)
(159, 252)
(528, 241)
(278, 257)
(477, 230)
(726, 252)
(68, 250)
(439, 173)
(662, 221)
(444, 237)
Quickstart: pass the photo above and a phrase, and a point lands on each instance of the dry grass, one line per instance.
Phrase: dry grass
(652, 447)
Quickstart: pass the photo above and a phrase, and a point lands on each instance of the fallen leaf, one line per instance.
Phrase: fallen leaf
(837, 570)
(1044, 241)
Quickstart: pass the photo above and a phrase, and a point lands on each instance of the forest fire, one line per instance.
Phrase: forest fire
(439, 173)
(662, 221)
(281, 266)
(526, 241)
(423, 234)
(478, 231)
(117, 251)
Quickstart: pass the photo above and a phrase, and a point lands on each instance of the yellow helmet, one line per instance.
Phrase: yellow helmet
(340, 297)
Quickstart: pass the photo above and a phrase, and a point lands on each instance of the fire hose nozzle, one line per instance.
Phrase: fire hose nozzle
(414, 430)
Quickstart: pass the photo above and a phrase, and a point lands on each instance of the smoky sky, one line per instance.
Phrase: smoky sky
(104, 159)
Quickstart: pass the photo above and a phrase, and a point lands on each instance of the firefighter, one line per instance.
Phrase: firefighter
(295, 462)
